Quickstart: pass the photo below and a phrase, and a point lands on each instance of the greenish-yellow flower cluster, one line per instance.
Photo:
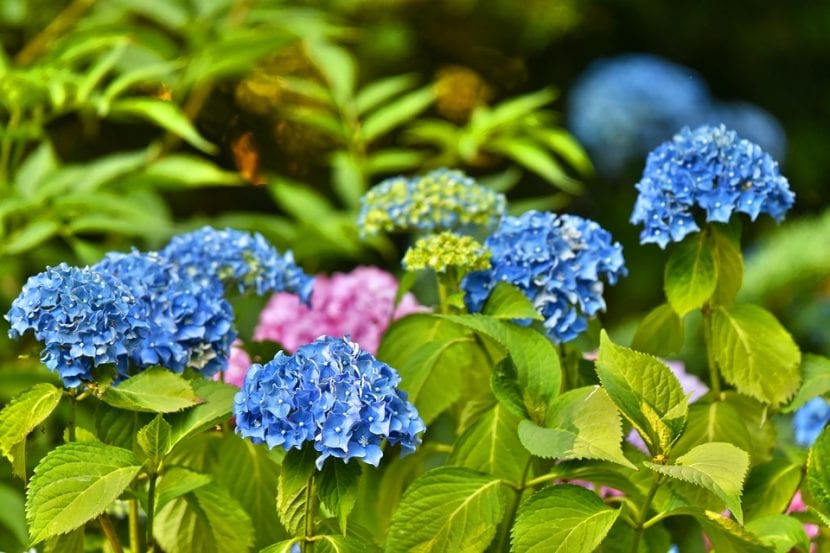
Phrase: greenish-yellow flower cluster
(446, 251)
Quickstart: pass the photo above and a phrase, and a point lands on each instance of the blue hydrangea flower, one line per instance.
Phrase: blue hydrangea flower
(83, 318)
(710, 168)
(330, 393)
(557, 261)
(621, 108)
(810, 420)
(750, 122)
(247, 261)
(440, 200)
(190, 324)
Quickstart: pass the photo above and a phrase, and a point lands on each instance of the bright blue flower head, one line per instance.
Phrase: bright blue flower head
(190, 324)
(557, 261)
(710, 168)
(809, 421)
(330, 393)
(621, 108)
(750, 122)
(83, 318)
(239, 259)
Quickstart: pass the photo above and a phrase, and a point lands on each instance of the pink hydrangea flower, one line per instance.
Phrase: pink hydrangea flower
(238, 365)
(358, 304)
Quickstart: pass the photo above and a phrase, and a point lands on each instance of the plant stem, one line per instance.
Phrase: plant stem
(641, 516)
(540, 480)
(110, 533)
(307, 545)
(6, 148)
(72, 408)
(504, 533)
(714, 376)
(135, 538)
(151, 500)
(443, 307)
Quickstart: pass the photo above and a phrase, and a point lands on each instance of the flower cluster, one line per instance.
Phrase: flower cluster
(447, 251)
(713, 169)
(330, 393)
(440, 200)
(190, 323)
(247, 261)
(360, 304)
(557, 261)
(750, 122)
(810, 420)
(238, 364)
(83, 318)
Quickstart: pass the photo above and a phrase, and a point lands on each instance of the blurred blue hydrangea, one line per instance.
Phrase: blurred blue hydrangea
(620, 108)
(330, 393)
(440, 200)
(190, 324)
(713, 169)
(750, 122)
(809, 421)
(557, 261)
(83, 318)
(247, 261)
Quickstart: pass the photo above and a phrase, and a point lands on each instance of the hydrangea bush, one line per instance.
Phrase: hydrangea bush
(504, 417)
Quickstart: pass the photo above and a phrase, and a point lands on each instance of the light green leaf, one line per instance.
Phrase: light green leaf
(164, 114)
(727, 536)
(491, 445)
(123, 82)
(646, 392)
(34, 169)
(337, 486)
(154, 441)
(716, 466)
(293, 488)
(449, 510)
(691, 274)
(730, 267)
(285, 546)
(537, 159)
(783, 533)
(301, 201)
(395, 113)
(770, 488)
(33, 234)
(216, 407)
(73, 542)
(755, 353)
(562, 519)
(155, 390)
(176, 482)
(508, 302)
(188, 170)
(818, 470)
(75, 483)
(660, 332)
(566, 147)
(12, 515)
(349, 182)
(620, 539)
(337, 66)
(511, 110)
(378, 92)
(394, 160)
(581, 424)
(816, 371)
(25, 412)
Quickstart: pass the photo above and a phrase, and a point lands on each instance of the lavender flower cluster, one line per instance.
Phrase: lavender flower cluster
(330, 393)
(557, 261)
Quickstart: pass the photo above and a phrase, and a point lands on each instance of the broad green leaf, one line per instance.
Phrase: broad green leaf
(562, 519)
(12, 515)
(770, 488)
(448, 510)
(75, 483)
(645, 391)
(660, 332)
(505, 386)
(727, 536)
(508, 302)
(118, 427)
(491, 445)
(716, 466)
(216, 407)
(293, 488)
(396, 113)
(783, 533)
(581, 424)
(164, 114)
(25, 412)
(337, 486)
(394, 160)
(73, 542)
(620, 539)
(301, 201)
(207, 520)
(816, 371)
(536, 158)
(337, 66)
(755, 353)
(153, 391)
(33, 234)
(187, 170)
(348, 179)
(176, 482)
(376, 93)
(691, 274)
(818, 470)
(534, 357)
(730, 267)
(511, 110)
(154, 441)
(35, 168)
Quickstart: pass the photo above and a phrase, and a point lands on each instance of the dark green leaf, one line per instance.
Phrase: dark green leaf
(770, 488)
(293, 488)
(691, 274)
(337, 485)
(660, 332)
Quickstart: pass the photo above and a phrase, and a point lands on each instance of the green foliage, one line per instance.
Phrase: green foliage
(691, 274)
(783, 533)
(730, 265)
(770, 488)
(660, 332)
(818, 471)
(295, 489)
(508, 302)
(338, 488)
(216, 406)
(153, 391)
(154, 441)
(562, 519)
(727, 536)
(25, 412)
(815, 370)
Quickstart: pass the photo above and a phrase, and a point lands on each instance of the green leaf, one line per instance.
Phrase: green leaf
(716, 466)
(730, 267)
(118, 427)
(783, 533)
(336, 65)
(73, 542)
(75, 483)
(505, 386)
(164, 114)
(534, 357)
(207, 520)
(448, 509)
(511, 110)
(12, 515)
(581, 424)
(394, 160)
(25, 412)
(537, 159)
(395, 113)
(508, 302)
(33, 234)
(691, 275)
(154, 441)
(620, 539)
(176, 482)
(285, 546)
(301, 201)
(566, 147)
(727, 536)
(646, 392)
(293, 488)
(337, 487)
(770, 488)
(349, 182)
(188, 171)
(34, 169)
(216, 407)
(816, 371)
(660, 332)
(155, 390)
(562, 519)
(491, 445)
(755, 353)
(818, 470)
(378, 92)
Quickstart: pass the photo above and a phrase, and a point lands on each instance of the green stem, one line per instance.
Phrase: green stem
(135, 537)
(641, 516)
(6, 148)
(307, 545)
(714, 376)
(73, 400)
(504, 532)
(151, 500)
(532, 483)
(443, 306)
(110, 533)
